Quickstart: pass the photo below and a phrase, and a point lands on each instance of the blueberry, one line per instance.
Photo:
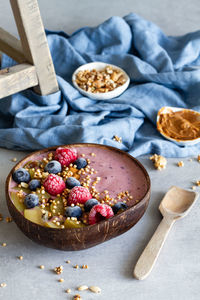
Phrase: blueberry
(31, 200)
(71, 182)
(73, 211)
(80, 163)
(21, 175)
(90, 203)
(34, 184)
(119, 206)
(53, 167)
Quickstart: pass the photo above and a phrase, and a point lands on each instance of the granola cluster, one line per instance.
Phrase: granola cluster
(102, 81)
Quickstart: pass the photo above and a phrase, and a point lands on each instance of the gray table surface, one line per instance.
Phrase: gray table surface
(176, 274)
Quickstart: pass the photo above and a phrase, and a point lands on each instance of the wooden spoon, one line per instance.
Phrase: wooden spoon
(175, 205)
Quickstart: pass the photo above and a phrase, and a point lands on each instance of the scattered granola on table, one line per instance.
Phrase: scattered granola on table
(159, 161)
(117, 139)
(180, 163)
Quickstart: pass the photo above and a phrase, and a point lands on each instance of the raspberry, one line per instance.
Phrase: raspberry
(65, 156)
(100, 212)
(54, 184)
(79, 194)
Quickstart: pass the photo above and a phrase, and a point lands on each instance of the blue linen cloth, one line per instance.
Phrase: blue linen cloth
(162, 70)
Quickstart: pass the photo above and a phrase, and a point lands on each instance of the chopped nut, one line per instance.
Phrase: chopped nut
(95, 289)
(68, 291)
(180, 163)
(101, 81)
(159, 161)
(61, 280)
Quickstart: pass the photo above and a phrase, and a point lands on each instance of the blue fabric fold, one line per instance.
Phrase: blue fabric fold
(164, 70)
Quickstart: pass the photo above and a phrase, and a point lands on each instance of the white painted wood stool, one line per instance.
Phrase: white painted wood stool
(35, 67)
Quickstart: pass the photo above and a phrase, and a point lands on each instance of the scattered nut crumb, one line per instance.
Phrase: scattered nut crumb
(77, 297)
(8, 219)
(159, 161)
(117, 139)
(58, 270)
(82, 288)
(193, 187)
(41, 266)
(84, 266)
(1, 217)
(76, 267)
(198, 182)
(4, 244)
(198, 158)
(20, 257)
(68, 261)
(61, 280)
(14, 159)
(3, 285)
(180, 163)
(68, 291)
(95, 289)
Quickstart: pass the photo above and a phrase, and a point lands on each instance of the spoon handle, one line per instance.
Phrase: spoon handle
(150, 254)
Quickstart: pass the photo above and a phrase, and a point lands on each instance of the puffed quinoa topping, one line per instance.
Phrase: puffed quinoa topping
(77, 297)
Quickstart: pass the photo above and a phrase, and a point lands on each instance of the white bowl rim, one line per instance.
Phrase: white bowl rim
(163, 110)
(101, 96)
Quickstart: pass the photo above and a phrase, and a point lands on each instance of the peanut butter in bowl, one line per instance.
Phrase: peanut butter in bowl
(179, 125)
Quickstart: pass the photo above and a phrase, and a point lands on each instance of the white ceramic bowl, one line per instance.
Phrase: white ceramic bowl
(101, 96)
(168, 109)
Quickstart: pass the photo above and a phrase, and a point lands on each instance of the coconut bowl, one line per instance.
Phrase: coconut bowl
(85, 237)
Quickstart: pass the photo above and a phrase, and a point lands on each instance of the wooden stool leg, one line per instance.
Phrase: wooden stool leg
(34, 43)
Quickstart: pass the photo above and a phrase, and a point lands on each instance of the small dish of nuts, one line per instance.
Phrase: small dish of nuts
(100, 81)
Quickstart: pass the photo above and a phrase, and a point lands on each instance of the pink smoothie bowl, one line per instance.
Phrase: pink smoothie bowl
(118, 171)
